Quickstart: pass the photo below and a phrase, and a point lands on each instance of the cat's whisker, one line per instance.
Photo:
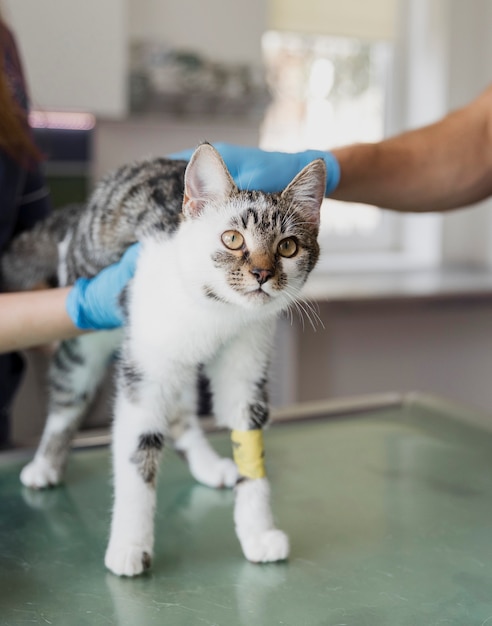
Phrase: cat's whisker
(289, 315)
(248, 187)
(300, 223)
(307, 313)
(287, 218)
(292, 301)
(301, 316)
(314, 313)
(292, 222)
(306, 306)
(300, 311)
(314, 309)
(237, 176)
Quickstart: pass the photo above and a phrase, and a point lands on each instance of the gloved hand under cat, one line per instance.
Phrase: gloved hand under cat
(253, 168)
(93, 303)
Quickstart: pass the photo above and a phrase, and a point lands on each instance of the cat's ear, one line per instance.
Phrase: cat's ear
(207, 180)
(307, 191)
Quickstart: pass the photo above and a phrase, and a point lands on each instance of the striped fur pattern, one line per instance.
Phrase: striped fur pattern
(135, 200)
(216, 267)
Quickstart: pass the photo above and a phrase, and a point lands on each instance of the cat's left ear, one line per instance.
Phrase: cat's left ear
(307, 191)
(207, 180)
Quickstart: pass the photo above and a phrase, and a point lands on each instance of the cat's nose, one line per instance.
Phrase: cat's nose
(261, 275)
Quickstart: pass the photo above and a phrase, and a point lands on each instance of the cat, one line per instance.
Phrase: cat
(216, 267)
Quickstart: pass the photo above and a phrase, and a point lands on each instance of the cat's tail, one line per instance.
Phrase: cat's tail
(31, 260)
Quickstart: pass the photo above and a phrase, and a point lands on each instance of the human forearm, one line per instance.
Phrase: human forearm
(34, 317)
(439, 167)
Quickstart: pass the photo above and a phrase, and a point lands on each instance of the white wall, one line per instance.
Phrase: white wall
(219, 29)
(441, 347)
(74, 53)
(116, 143)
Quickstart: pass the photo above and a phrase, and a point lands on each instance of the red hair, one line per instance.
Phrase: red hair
(15, 135)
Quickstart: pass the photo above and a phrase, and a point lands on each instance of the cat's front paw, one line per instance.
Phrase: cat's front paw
(40, 473)
(128, 560)
(265, 547)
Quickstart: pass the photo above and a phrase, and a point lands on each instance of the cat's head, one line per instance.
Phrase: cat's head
(255, 248)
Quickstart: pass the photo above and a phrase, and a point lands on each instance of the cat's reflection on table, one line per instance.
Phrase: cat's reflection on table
(246, 593)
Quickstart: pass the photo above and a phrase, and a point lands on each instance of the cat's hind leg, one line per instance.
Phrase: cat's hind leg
(205, 465)
(238, 377)
(75, 373)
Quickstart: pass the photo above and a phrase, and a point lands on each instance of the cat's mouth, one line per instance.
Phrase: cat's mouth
(258, 294)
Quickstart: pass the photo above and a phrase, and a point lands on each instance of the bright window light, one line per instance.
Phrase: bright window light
(327, 92)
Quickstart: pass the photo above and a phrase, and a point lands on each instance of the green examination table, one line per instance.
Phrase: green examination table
(387, 501)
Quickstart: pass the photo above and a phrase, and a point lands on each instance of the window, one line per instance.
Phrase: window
(329, 91)
(434, 63)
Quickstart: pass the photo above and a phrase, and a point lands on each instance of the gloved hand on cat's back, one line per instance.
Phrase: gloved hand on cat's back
(253, 168)
(94, 304)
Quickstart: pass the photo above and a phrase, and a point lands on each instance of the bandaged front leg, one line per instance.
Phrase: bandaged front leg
(260, 540)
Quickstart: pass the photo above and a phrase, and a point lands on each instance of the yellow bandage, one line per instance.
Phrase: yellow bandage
(248, 452)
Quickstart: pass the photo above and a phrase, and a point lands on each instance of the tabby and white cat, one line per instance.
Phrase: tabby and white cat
(216, 267)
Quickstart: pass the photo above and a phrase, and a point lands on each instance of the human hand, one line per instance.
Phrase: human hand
(93, 303)
(252, 168)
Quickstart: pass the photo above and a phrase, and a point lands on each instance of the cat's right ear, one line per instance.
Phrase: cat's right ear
(207, 181)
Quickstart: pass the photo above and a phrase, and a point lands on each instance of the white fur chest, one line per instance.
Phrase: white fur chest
(172, 322)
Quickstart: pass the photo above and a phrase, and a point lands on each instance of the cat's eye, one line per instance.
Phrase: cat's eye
(287, 247)
(232, 239)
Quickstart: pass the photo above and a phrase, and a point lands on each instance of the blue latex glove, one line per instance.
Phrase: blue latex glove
(93, 303)
(252, 168)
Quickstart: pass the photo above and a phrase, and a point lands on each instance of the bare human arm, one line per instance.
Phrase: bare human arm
(31, 318)
(438, 167)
